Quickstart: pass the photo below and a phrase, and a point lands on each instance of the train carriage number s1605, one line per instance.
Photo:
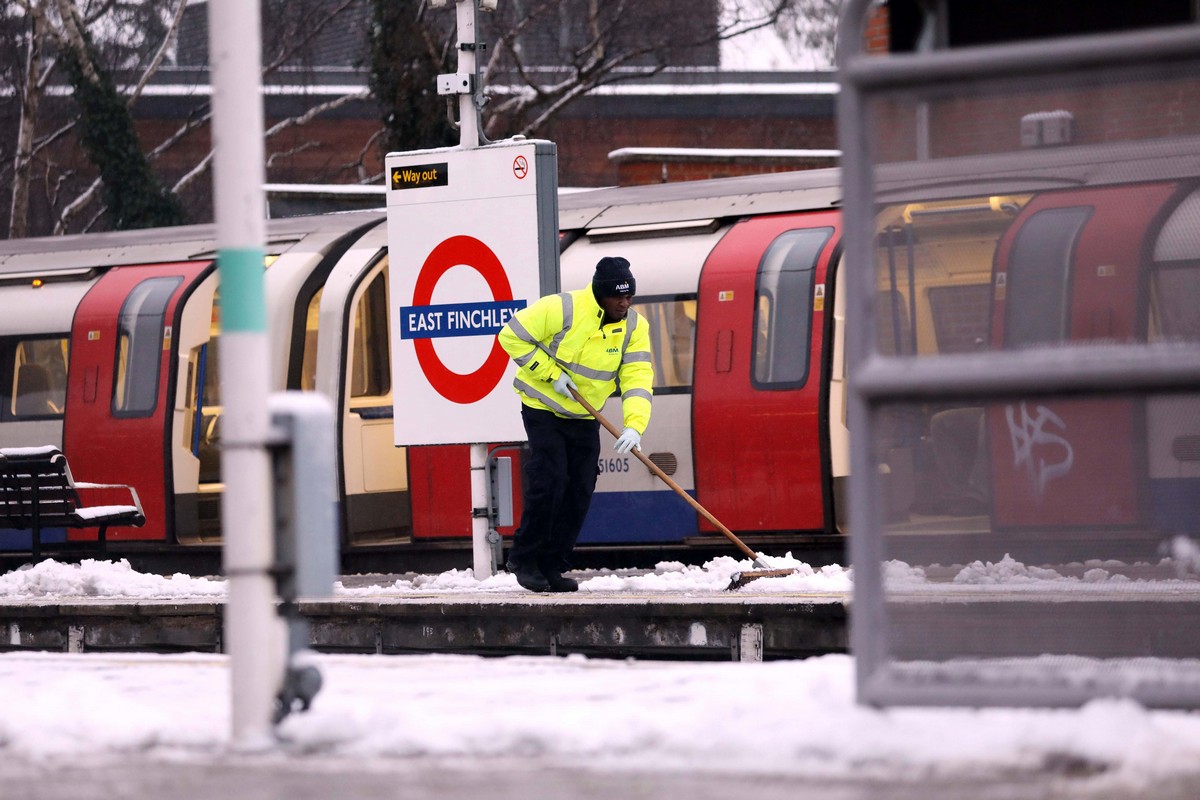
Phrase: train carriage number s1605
(614, 465)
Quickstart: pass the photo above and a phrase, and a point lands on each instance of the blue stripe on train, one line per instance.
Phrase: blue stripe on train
(1175, 505)
(12, 539)
(637, 517)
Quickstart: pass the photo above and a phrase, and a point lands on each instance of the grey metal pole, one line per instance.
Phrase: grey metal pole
(254, 636)
(866, 543)
(468, 115)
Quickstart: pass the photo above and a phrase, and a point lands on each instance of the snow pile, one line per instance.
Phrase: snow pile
(715, 575)
(103, 579)
(1007, 571)
(117, 580)
(668, 577)
(1186, 554)
(109, 579)
(898, 573)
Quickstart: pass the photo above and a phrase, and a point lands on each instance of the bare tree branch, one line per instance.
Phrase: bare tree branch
(309, 145)
(359, 165)
(91, 223)
(98, 12)
(282, 125)
(316, 111)
(75, 206)
(290, 48)
(198, 118)
(612, 52)
(193, 173)
(51, 138)
(167, 40)
(72, 30)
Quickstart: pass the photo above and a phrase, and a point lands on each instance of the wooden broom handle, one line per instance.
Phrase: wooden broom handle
(665, 477)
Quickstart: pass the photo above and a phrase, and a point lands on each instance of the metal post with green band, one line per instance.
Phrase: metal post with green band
(253, 634)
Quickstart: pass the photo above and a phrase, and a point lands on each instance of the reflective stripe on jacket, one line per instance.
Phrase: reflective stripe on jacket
(564, 331)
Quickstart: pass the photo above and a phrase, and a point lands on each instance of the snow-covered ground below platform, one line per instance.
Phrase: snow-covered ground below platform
(779, 718)
(776, 718)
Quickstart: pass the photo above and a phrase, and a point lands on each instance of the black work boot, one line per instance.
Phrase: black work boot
(529, 577)
(560, 583)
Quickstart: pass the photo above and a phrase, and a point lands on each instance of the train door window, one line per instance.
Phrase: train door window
(203, 404)
(1038, 294)
(783, 308)
(139, 347)
(39, 378)
(308, 358)
(371, 375)
(673, 340)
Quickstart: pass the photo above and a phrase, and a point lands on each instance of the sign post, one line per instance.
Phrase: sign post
(472, 239)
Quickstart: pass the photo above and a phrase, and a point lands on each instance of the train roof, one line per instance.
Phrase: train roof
(942, 178)
(708, 199)
(1041, 169)
(88, 251)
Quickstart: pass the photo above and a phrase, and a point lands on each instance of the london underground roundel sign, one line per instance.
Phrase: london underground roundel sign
(424, 322)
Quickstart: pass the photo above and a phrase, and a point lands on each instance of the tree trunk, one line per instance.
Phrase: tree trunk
(18, 220)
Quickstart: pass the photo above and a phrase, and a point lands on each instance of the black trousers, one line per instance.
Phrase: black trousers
(559, 477)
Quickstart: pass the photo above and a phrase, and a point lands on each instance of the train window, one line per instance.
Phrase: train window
(39, 378)
(1038, 297)
(140, 346)
(1175, 305)
(892, 324)
(370, 368)
(960, 316)
(672, 324)
(783, 308)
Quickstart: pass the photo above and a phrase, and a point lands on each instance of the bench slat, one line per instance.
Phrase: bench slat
(43, 471)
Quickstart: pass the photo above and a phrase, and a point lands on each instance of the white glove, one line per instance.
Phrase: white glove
(628, 440)
(563, 384)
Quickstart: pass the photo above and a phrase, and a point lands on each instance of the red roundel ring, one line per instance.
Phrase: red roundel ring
(467, 251)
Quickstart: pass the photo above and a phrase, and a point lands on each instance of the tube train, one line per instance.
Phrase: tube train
(109, 343)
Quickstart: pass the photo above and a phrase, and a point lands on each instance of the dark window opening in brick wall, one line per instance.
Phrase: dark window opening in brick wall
(981, 22)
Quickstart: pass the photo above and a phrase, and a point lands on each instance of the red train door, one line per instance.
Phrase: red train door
(1069, 269)
(122, 385)
(757, 381)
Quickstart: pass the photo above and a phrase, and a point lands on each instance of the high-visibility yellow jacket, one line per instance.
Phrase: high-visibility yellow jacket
(565, 331)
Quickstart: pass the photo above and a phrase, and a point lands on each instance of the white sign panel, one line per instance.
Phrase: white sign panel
(467, 232)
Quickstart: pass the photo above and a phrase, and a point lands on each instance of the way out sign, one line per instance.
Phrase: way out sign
(472, 239)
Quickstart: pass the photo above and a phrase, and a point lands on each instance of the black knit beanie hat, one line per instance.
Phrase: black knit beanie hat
(613, 278)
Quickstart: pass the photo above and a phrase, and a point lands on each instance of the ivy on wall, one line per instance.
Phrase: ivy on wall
(132, 192)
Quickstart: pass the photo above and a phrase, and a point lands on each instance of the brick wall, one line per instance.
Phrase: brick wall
(649, 169)
(992, 124)
(877, 31)
(584, 143)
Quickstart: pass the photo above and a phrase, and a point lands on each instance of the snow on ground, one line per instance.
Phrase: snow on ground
(784, 717)
(117, 580)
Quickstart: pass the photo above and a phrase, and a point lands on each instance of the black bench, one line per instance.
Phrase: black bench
(37, 491)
